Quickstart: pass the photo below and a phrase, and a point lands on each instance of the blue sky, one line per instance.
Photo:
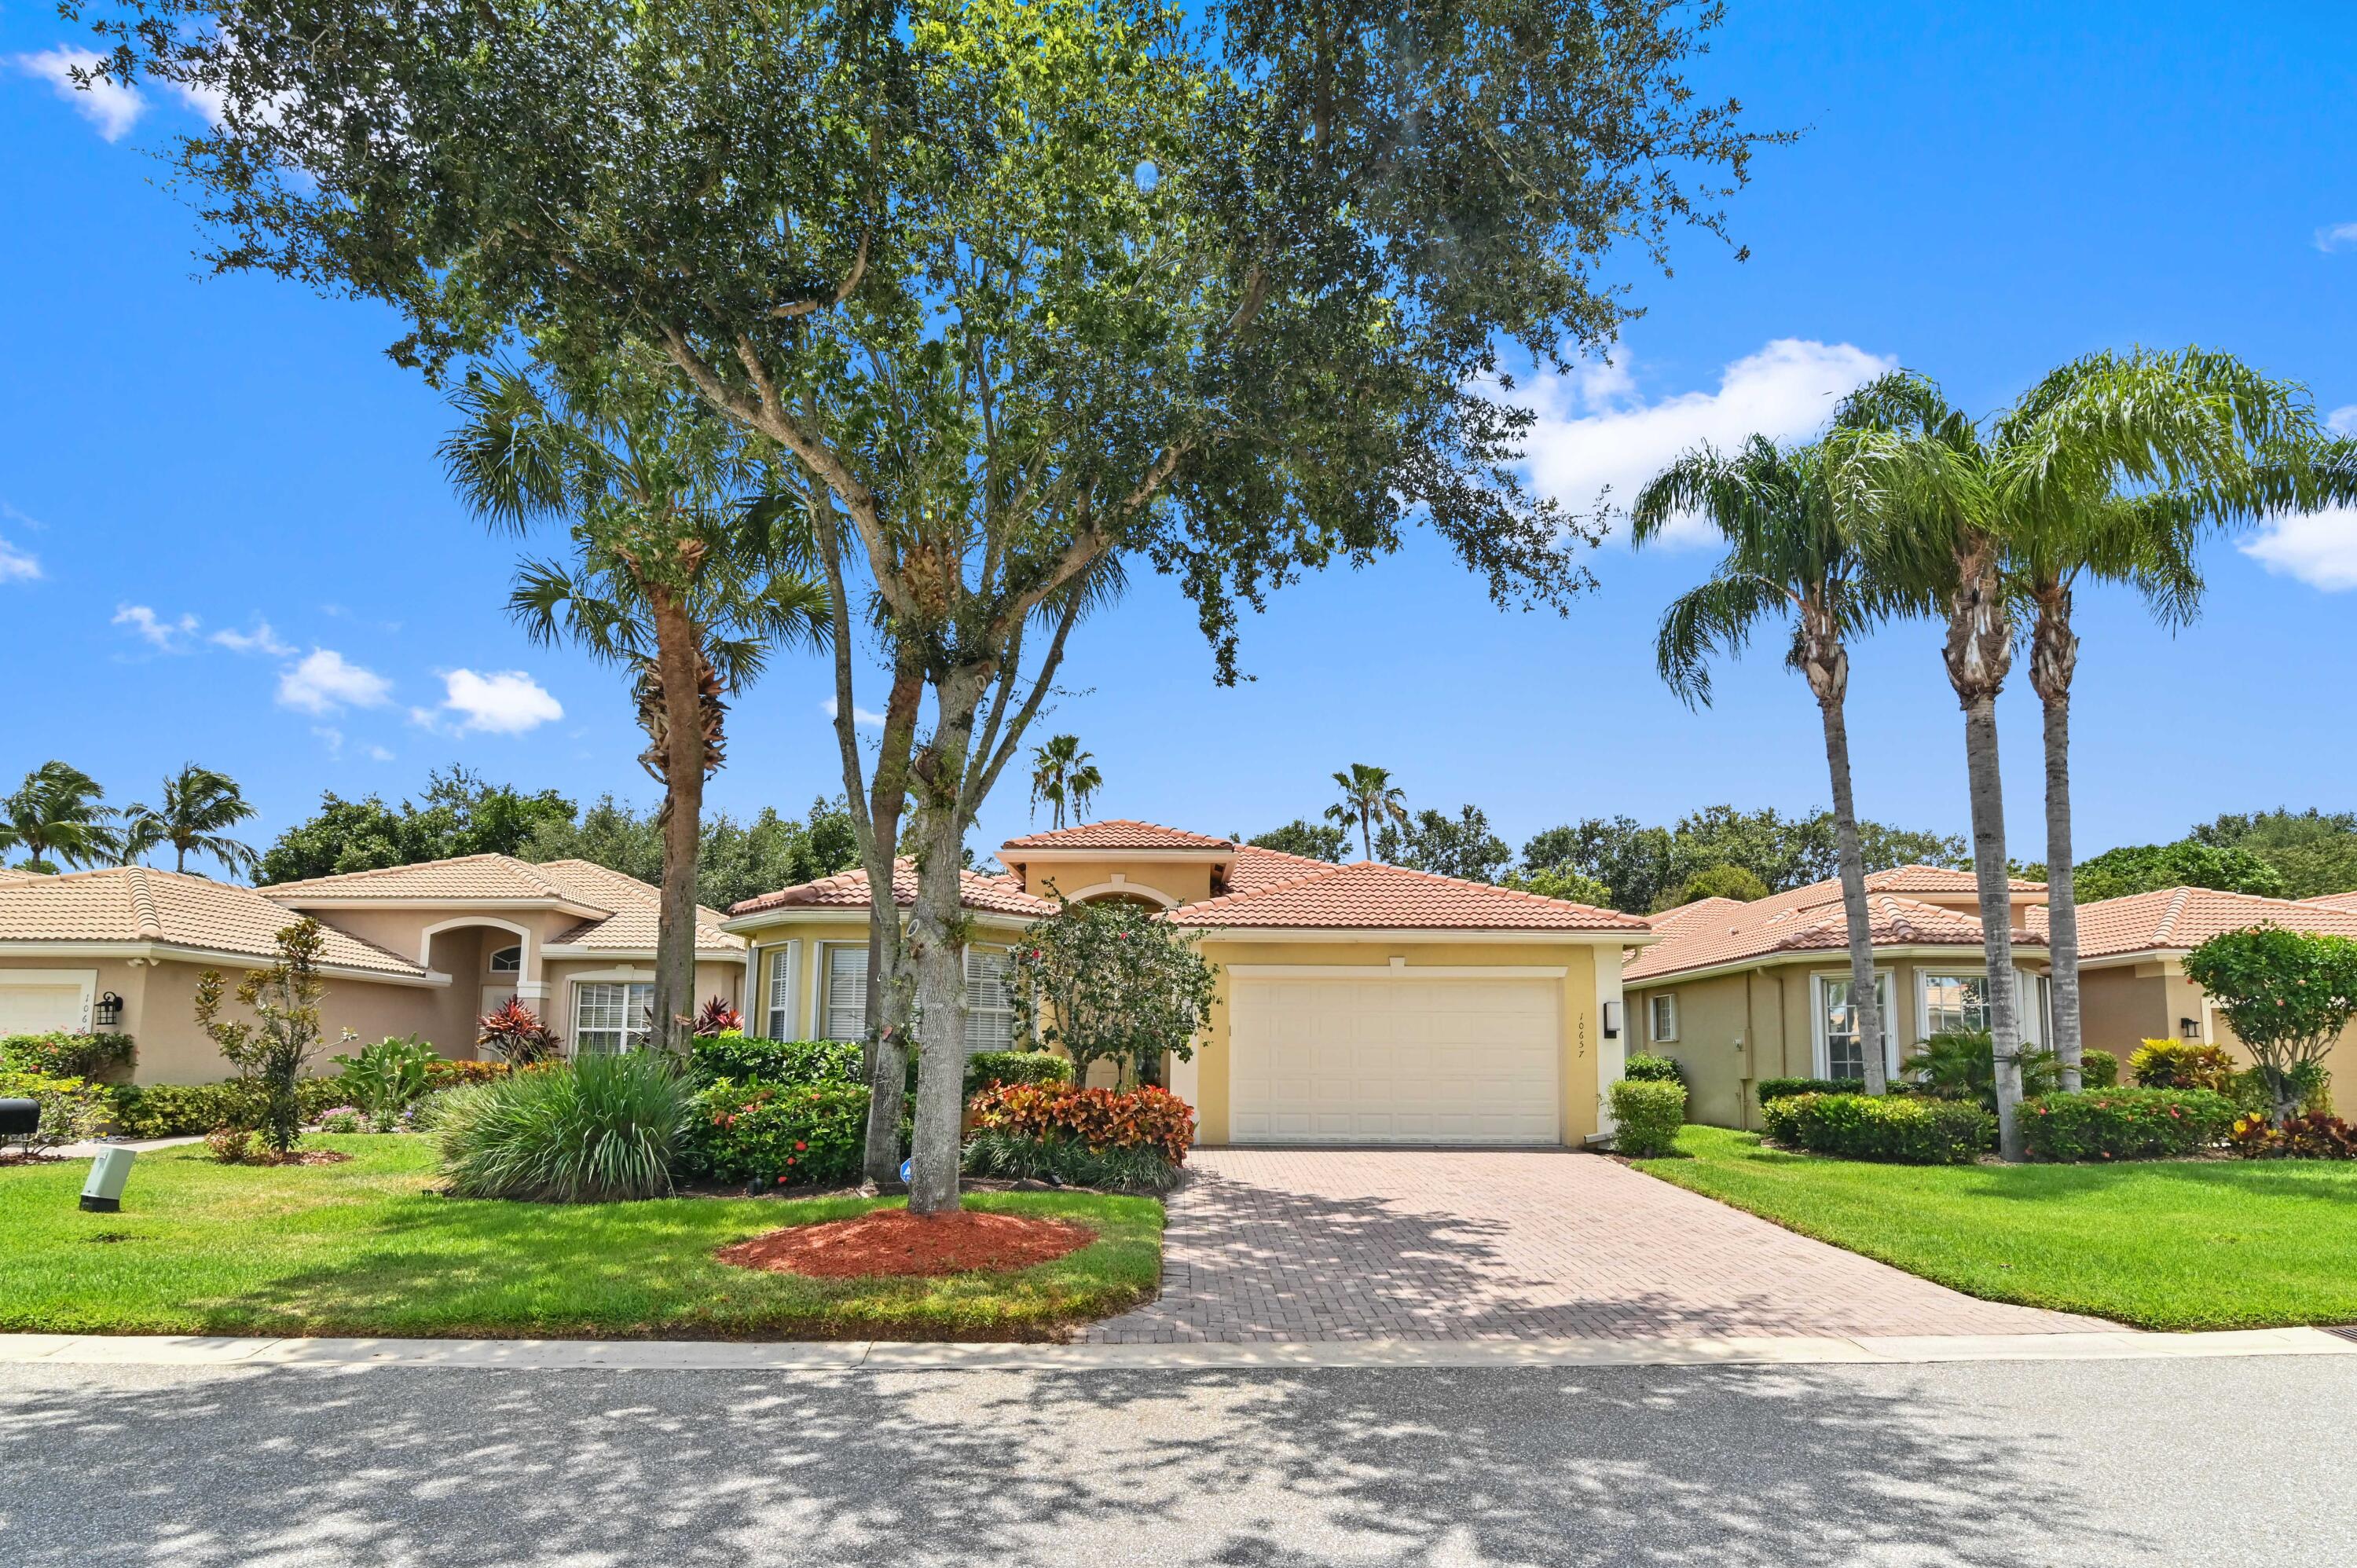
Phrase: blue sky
(223, 535)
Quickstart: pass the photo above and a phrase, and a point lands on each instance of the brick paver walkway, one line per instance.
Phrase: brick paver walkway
(1272, 1244)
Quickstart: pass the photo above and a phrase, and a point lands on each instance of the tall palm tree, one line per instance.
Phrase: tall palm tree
(198, 805)
(671, 576)
(1790, 555)
(1062, 773)
(58, 812)
(1369, 796)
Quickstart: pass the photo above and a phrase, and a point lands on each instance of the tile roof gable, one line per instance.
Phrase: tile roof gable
(1118, 834)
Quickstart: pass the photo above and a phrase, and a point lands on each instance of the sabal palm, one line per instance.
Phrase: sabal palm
(671, 575)
(1789, 556)
(1369, 796)
(198, 806)
(58, 812)
(1062, 774)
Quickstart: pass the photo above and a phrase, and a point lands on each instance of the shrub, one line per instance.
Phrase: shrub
(2181, 1064)
(1899, 1129)
(1649, 1112)
(2254, 1137)
(1111, 981)
(986, 1067)
(517, 1033)
(1014, 1156)
(63, 1054)
(385, 1079)
(183, 1110)
(1961, 1065)
(273, 1052)
(2288, 994)
(1646, 1067)
(2098, 1070)
(602, 1129)
(778, 1135)
(750, 1058)
(2310, 1085)
(1148, 1118)
(231, 1145)
(2124, 1123)
(442, 1073)
(71, 1108)
(341, 1118)
(1770, 1090)
(717, 1017)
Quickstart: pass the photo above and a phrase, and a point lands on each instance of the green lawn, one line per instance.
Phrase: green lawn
(364, 1248)
(2162, 1244)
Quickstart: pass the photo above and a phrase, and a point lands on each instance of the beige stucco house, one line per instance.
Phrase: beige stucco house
(1356, 1004)
(414, 950)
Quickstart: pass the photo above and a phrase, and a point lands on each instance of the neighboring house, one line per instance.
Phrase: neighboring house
(1738, 991)
(413, 949)
(1356, 1004)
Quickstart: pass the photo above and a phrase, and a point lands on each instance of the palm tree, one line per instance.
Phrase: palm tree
(1789, 555)
(671, 576)
(58, 812)
(197, 806)
(1369, 796)
(1062, 772)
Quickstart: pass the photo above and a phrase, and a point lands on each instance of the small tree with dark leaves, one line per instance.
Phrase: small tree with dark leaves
(273, 1052)
(1112, 981)
(2288, 994)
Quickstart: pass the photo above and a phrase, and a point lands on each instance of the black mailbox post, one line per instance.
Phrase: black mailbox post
(19, 1120)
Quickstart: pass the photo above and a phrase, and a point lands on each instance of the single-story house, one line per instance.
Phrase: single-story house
(1356, 1004)
(411, 950)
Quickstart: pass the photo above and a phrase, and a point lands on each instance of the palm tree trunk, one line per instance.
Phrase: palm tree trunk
(678, 667)
(1979, 653)
(2053, 659)
(1829, 678)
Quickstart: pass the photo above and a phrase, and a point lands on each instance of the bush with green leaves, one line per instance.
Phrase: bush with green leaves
(750, 1058)
(1014, 1156)
(1899, 1129)
(2125, 1124)
(1110, 982)
(1646, 1067)
(387, 1078)
(607, 1127)
(72, 1110)
(1774, 1088)
(191, 1110)
(986, 1067)
(2181, 1063)
(2098, 1069)
(63, 1054)
(1961, 1065)
(2288, 996)
(774, 1134)
(1648, 1114)
(2310, 1084)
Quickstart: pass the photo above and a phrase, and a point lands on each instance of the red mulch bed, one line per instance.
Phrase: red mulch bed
(894, 1241)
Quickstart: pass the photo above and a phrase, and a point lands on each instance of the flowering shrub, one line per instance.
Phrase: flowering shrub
(61, 1054)
(441, 1074)
(1902, 1129)
(341, 1118)
(2254, 1137)
(70, 1109)
(750, 1058)
(2181, 1064)
(2124, 1123)
(1146, 1118)
(1649, 1112)
(778, 1135)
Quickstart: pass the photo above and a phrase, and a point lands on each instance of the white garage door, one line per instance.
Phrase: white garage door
(38, 1006)
(1395, 1061)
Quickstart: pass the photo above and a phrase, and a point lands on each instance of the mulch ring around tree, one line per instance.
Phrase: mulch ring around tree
(894, 1241)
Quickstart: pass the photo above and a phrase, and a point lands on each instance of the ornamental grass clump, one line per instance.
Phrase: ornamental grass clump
(604, 1128)
(1648, 1114)
(2125, 1124)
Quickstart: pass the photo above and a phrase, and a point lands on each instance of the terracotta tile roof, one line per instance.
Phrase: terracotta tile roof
(848, 890)
(1370, 895)
(135, 904)
(1255, 867)
(1931, 879)
(1712, 932)
(637, 911)
(1116, 832)
(491, 877)
(2345, 902)
(2176, 919)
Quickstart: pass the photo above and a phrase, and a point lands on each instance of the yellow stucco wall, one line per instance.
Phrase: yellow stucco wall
(1185, 881)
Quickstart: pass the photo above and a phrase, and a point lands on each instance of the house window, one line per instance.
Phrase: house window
(1665, 1019)
(1844, 1056)
(1954, 1003)
(843, 1008)
(508, 961)
(781, 992)
(989, 1002)
(612, 1016)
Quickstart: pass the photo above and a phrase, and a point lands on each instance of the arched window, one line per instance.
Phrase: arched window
(508, 961)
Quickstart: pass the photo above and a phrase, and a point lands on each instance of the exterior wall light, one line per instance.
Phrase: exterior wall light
(2190, 1028)
(107, 1011)
(1611, 1020)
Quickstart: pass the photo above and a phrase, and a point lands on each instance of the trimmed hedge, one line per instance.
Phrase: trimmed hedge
(186, 1110)
(986, 1067)
(750, 1058)
(1775, 1089)
(61, 1054)
(1899, 1129)
(1648, 1112)
(1646, 1067)
(778, 1134)
(2125, 1124)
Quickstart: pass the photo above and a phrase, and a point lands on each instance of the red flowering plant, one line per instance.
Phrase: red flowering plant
(1096, 1119)
(2125, 1124)
(774, 1134)
(1112, 981)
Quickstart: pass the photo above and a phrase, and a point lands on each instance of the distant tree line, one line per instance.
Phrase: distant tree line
(2280, 853)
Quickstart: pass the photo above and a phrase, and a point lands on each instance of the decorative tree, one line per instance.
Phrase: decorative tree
(2288, 994)
(272, 1051)
(1738, 883)
(57, 813)
(199, 806)
(1112, 981)
(1369, 797)
(1061, 774)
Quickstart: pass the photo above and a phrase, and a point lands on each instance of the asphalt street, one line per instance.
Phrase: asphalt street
(2250, 1460)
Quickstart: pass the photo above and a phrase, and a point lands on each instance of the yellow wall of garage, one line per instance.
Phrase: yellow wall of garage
(1186, 881)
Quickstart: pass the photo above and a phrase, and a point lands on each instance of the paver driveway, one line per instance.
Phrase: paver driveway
(1274, 1244)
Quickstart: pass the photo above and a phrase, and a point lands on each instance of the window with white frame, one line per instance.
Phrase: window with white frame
(1842, 1054)
(508, 961)
(612, 1016)
(1954, 1003)
(1665, 1019)
(989, 1000)
(781, 992)
(843, 1006)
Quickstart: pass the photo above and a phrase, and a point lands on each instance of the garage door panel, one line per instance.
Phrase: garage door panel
(1400, 1060)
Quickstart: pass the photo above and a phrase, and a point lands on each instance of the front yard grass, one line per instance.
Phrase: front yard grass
(364, 1248)
(2162, 1244)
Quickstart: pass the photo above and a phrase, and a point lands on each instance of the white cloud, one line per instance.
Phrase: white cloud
(333, 736)
(109, 105)
(1595, 433)
(504, 702)
(2319, 548)
(859, 715)
(169, 635)
(2343, 421)
(261, 640)
(324, 681)
(18, 565)
(379, 754)
(2336, 236)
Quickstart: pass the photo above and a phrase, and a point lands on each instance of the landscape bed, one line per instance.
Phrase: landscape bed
(2170, 1244)
(365, 1248)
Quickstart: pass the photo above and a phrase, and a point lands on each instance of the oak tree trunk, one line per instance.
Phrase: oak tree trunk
(936, 939)
(2054, 660)
(891, 983)
(679, 665)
